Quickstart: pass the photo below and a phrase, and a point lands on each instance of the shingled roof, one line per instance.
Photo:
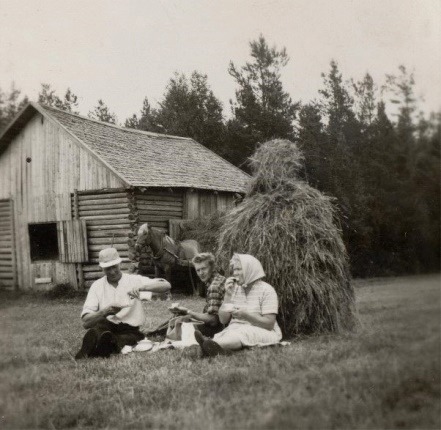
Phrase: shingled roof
(144, 159)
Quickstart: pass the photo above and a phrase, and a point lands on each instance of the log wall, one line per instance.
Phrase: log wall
(157, 207)
(111, 219)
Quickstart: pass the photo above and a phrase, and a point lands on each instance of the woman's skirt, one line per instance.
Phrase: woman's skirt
(249, 335)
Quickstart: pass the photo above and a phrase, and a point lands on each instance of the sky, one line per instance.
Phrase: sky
(122, 51)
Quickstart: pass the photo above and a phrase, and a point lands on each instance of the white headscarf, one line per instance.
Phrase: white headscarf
(251, 268)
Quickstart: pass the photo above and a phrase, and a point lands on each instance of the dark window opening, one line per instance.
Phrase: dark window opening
(44, 241)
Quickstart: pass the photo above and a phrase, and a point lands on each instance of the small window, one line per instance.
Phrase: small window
(44, 241)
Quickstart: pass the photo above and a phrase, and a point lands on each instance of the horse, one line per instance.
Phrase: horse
(166, 252)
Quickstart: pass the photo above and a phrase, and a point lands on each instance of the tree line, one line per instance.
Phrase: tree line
(382, 168)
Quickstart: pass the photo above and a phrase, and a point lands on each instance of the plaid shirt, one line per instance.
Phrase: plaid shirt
(215, 294)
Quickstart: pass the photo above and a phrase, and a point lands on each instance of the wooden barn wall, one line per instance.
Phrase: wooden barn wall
(41, 189)
(110, 220)
(199, 203)
(7, 255)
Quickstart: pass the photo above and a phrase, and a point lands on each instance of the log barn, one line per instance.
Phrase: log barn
(70, 186)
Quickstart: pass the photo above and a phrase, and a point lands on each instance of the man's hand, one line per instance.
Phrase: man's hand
(112, 310)
(135, 293)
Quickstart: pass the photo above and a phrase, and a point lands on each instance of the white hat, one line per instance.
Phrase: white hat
(109, 257)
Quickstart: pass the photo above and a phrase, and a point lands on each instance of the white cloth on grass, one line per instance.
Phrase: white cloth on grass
(188, 339)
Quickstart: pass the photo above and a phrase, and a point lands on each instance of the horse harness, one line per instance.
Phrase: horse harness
(162, 250)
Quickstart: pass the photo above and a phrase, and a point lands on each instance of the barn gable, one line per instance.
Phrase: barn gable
(150, 159)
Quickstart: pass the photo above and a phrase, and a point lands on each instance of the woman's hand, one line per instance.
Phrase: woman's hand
(230, 285)
(241, 314)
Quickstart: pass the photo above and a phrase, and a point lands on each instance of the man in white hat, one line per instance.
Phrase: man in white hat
(112, 312)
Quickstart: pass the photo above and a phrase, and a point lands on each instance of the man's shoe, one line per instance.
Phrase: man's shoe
(105, 345)
(212, 349)
(88, 346)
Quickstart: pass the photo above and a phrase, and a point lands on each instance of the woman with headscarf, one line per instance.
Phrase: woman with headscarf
(250, 307)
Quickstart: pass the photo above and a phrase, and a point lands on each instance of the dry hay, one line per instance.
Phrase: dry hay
(205, 230)
(291, 228)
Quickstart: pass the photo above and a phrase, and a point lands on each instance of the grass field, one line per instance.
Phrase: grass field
(386, 375)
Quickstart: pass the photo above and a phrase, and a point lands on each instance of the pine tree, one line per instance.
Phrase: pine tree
(312, 140)
(365, 100)
(102, 113)
(48, 97)
(147, 117)
(10, 104)
(189, 109)
(262, 110)
(132, 122)
(146, 120)
(343, 164)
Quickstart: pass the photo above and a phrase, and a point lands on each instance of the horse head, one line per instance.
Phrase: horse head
(144, 237)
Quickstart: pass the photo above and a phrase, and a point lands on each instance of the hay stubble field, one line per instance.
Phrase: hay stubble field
(386, 375)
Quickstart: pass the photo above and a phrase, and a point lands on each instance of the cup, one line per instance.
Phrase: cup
(228, 307)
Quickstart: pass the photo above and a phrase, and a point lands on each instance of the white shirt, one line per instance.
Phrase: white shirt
(102, 294)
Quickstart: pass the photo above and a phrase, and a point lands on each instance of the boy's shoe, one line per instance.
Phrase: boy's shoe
(212, 349)
(200, 338)
(88, 346)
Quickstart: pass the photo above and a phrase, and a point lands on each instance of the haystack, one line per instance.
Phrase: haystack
(291, 228)
(205, 230)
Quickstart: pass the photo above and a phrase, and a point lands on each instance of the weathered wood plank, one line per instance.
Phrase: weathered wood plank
(149, 218)
(110, 191)
(104, 217)
(108, 222)
(160, 198)
(98, 207)
(108, 196)
(109, 206)
(104, 211)
(5, 263)
(172, 214)
(148, 204)
(97, 268)
(107, 240)
(109, 233)
(156, 210)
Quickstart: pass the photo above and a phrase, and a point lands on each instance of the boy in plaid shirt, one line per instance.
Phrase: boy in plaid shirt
(214, 284)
